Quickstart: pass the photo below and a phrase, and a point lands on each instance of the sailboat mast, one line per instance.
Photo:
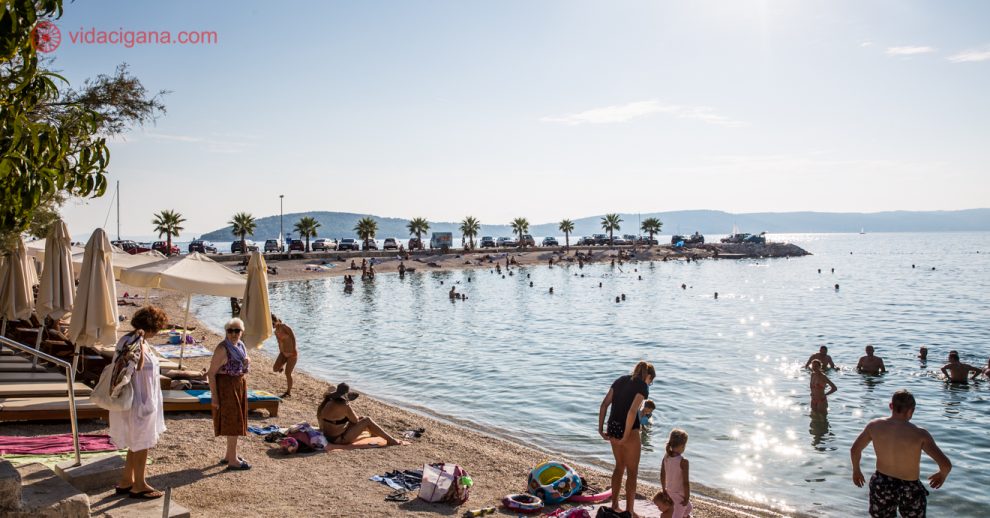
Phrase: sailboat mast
(118, 210)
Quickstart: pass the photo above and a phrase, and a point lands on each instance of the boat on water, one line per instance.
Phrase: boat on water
(862, 230)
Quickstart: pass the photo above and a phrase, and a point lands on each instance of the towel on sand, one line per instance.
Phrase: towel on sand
(49, 444)
(253, 395)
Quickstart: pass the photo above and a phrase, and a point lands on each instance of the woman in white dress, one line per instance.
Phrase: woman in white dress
(139, 427)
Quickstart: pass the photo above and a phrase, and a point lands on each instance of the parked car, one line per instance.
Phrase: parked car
(203, 247)
(323, 245)
(600, 239)
(549, 241)
(272, 245)
(162, 246)
(692, 240)
(415, 243)
(297, 245)
(527, 240)
(370, 244)
(441, 241)
(585, 241)
(132, 247)
(618, 240)
(506, 242)
(235, 247)
(487, 242)
(390, 243)
(746, 238)
(348, 244)
(647, 241)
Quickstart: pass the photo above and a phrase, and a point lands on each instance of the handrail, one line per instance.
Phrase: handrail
(70, 381)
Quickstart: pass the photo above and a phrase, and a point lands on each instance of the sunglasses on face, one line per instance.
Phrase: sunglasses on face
(235, 330)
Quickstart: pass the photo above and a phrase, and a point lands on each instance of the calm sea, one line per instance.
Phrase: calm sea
(518, 361)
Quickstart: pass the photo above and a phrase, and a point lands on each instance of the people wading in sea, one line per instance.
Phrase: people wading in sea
(287, 352)
(956, 371)
(819, 381)
(822, 356)
(625, 397)
(871, 364)
(896, 484)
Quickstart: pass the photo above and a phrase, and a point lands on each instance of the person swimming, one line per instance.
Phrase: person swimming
(823, 357)
(871, 364)
(923, 353)
(956, 371)
(646, 413)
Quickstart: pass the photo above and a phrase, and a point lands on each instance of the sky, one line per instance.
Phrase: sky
(543, 109)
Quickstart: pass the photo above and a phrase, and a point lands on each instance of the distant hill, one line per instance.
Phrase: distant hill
(341, 224)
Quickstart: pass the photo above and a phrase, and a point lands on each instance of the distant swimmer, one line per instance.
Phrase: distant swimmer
(551, 290)
(986, 370)
(833, 270)
(623, 296)
(819, 382)
(453, 293)
(956, 371)
(716, 295)
(822, 356)
(683, 286)
(530, 284)
(819, 270)
(923, 353)
(616, 300)
(898, 444)
(871, 364)
(836, 287)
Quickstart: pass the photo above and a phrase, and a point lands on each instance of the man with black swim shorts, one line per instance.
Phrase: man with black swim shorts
(896, 485)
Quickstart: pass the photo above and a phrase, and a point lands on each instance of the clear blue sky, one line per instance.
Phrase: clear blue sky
(546, 109)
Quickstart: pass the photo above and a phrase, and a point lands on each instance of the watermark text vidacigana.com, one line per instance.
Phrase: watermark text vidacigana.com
(47, 37)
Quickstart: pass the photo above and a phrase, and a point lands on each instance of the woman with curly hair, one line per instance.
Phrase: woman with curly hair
(137, 429)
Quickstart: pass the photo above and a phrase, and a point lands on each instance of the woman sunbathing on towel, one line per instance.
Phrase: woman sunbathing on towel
(341, 425)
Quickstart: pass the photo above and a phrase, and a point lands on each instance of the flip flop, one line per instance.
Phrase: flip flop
(149, 494)
(244, 466)
(399, 495)
(121, 490)
(224, 461)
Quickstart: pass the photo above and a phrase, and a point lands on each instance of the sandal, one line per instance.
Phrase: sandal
(121, 490)
(242, 467)
(149, 494)
(224, 461)
(399, 495)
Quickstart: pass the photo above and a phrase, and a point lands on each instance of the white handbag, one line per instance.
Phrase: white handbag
(116, 398)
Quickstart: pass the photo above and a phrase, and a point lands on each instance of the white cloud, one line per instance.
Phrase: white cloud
(971, 55)
(866, 44)
(212, 145)
(909, 50)
(635, 110)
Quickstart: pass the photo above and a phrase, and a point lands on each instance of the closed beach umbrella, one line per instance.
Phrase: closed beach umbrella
(16, 298)
(255, 310)
(94, 319)
(57, 290)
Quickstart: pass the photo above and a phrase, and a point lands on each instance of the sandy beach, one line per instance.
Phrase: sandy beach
(335, 483)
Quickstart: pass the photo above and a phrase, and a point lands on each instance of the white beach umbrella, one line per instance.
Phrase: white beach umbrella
(122, 260)
(57, 290)
(16, 298)
(193, 274)
(255, 310)
(94, 318)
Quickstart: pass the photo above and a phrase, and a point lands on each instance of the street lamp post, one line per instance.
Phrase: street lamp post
(281, 229)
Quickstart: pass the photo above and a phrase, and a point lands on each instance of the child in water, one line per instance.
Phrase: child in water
(674, 499)
(646, 413)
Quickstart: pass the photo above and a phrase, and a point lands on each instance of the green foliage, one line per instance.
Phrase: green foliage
(306, 228)
(520, 226)
(567, 226)
(167, 223)
(366, 228)
(470, 228)
(418, 226)
(242, 225)
(611, 224)
(651, 226)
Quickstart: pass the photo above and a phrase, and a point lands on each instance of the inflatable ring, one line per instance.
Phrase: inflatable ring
(523, 503)
(554, 482)
(591, 499)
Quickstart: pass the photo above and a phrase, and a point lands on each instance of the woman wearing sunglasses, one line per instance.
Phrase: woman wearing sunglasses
(229, 391)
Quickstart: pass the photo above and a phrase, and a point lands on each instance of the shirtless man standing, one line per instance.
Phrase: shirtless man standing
(898, 444)
(822, 356)
(287, 352)
(956, 371)
(870, 364)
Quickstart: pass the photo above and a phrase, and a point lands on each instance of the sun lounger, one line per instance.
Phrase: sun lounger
(191, 401)
(31, 377)
(48, 408)
(27, 390)
(21, 367)
(14, 359)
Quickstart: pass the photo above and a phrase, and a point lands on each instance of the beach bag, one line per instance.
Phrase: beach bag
(447, 483)
(105, 396)
(309, 439)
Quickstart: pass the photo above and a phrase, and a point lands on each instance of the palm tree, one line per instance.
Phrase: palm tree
(610, 224)
(306, 228)
(470, 228)
(418, 226)
(243, 225)
(167, 222)
(520, 226)
(651, 226)
(366, 228)
(567, 226)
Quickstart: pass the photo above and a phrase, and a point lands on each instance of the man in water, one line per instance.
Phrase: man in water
(287, 352)
(870, 364)
(898, 444)
(956, 371)
(822, 356)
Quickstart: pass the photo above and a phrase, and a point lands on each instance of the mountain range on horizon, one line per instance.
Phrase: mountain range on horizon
(341, 224)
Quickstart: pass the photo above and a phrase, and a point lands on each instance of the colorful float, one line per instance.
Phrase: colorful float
(554, 482)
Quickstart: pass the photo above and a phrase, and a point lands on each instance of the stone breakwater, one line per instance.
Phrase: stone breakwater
(749, 250)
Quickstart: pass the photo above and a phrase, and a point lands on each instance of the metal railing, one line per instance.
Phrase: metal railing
(70, 380)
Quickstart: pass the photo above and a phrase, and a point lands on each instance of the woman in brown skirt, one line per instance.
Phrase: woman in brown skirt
(229, 391)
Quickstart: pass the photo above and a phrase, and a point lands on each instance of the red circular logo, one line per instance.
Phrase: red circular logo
(45, 37)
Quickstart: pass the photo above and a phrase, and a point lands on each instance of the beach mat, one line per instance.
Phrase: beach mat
(53, 444)
(644, 508)
(51, 460)
(175, 351)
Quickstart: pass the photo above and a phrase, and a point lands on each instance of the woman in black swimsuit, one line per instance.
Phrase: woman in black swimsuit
(341, 425)
(626, 397)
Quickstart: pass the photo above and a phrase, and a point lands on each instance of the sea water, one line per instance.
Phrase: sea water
(520, 362)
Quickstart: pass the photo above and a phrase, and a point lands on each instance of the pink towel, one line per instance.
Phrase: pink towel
(49, 444)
